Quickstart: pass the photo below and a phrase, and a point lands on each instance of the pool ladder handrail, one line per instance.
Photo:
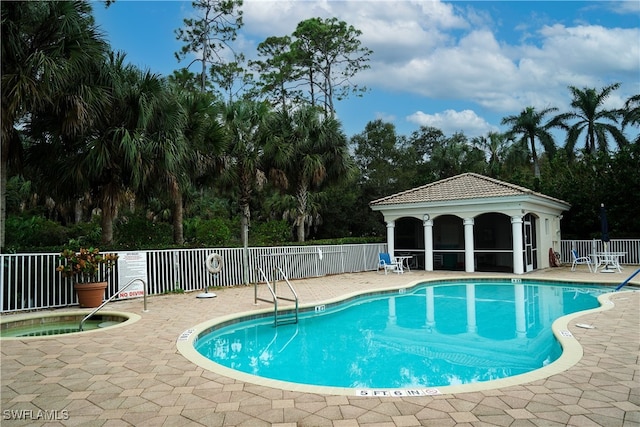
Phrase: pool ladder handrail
(628, 280)
(275, 295)
(144, 296)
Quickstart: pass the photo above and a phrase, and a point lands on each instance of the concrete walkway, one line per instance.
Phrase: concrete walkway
(134, 375)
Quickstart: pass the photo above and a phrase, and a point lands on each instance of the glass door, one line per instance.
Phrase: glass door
(528, 245)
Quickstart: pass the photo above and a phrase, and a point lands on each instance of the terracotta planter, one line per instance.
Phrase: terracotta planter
(90, 295)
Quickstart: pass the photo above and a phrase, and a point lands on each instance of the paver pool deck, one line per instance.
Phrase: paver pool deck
(134, 375)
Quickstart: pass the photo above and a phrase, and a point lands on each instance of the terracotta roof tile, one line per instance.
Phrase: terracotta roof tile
(459, 187)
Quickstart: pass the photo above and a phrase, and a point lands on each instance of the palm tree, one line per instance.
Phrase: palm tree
(308, 150)
(495, 146)
(592, 119)
(245, 123)
(631, 114)
(116, 156)
(44, 45)
(516, 160)
(454, 156)
(167, 149)
(529, 126)
(199, 142)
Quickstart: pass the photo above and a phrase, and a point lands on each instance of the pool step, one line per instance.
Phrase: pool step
(285, 318)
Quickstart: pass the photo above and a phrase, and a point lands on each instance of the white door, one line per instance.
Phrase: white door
(528, 246)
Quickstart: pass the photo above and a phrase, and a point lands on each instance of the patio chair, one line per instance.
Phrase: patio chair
(580, 260)
(385, 263)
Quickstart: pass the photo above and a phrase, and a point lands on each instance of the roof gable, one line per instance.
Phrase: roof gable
(460, 187)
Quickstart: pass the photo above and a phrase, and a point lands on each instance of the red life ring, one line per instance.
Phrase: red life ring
(553, 259)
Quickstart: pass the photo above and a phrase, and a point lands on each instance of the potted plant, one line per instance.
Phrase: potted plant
(84, 266)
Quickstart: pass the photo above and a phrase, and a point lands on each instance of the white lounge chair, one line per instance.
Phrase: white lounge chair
(580, 260)
(385, 263)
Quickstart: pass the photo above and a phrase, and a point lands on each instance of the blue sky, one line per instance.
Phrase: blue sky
(457, 66)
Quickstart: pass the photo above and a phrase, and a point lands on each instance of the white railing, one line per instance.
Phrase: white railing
(630, 247)
(29, 281)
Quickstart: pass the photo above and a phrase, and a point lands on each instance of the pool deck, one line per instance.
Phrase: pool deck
(134, 375)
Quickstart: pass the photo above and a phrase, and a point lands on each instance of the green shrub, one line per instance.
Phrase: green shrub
(342, 241)
(136, 231)
(27, 232)
(86, 234)
(208, 232)
(270, 233)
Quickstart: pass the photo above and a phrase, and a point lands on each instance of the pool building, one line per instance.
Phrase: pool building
(470, 223)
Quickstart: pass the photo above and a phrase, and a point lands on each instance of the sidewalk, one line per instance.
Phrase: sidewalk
(134, 375)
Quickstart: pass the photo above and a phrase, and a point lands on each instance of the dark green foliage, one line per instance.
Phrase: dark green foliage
(623, 191)
(208, 207)
(33, 232)
(214, 232)
(611, 179)
(89, 130)
(137, 232)
(346, 213)
(270, 233)
(85, 234)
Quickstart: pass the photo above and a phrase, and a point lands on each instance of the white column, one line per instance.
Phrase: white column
(469, 266)
(392, 319)
(516, 231)
(471, 309)
(521, 326)
(431, 314)
(391, 226)
(428, 244)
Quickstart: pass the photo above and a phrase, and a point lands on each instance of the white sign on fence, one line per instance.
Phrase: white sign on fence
(131, 266)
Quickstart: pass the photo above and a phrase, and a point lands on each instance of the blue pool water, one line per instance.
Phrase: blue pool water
(429, 335)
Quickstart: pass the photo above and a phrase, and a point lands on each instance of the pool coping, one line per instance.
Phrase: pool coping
(572, 350)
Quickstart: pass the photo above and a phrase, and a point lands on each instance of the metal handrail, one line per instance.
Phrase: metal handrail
(144, 296)
(274, 294)
(293, 291)
(628, 279)
(255, 289)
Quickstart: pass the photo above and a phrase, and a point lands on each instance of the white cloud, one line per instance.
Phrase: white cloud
(589, 50)
(385, 117)
(451, 121)
(448, 52)
(624, 7)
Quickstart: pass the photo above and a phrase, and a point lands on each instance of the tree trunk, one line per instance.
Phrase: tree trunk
(301, 196)
(534, 155)
(244, 201)
(3, 194)
(108, 212)
(77, 211)
(178, 211)
(244, 223)
(9, 137)
(107, 227)
(178, 229)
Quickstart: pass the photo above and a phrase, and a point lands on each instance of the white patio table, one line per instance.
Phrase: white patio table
(403, 262)
(607, 260)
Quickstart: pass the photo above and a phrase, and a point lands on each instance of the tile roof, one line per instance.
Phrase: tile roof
(460, 187)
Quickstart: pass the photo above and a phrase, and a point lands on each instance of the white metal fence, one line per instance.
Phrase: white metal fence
(630, 247)
(29, 281)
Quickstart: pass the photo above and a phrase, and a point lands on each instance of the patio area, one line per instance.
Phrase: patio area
(134, 375)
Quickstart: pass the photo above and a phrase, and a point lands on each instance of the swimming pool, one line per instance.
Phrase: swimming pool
(431, 335)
